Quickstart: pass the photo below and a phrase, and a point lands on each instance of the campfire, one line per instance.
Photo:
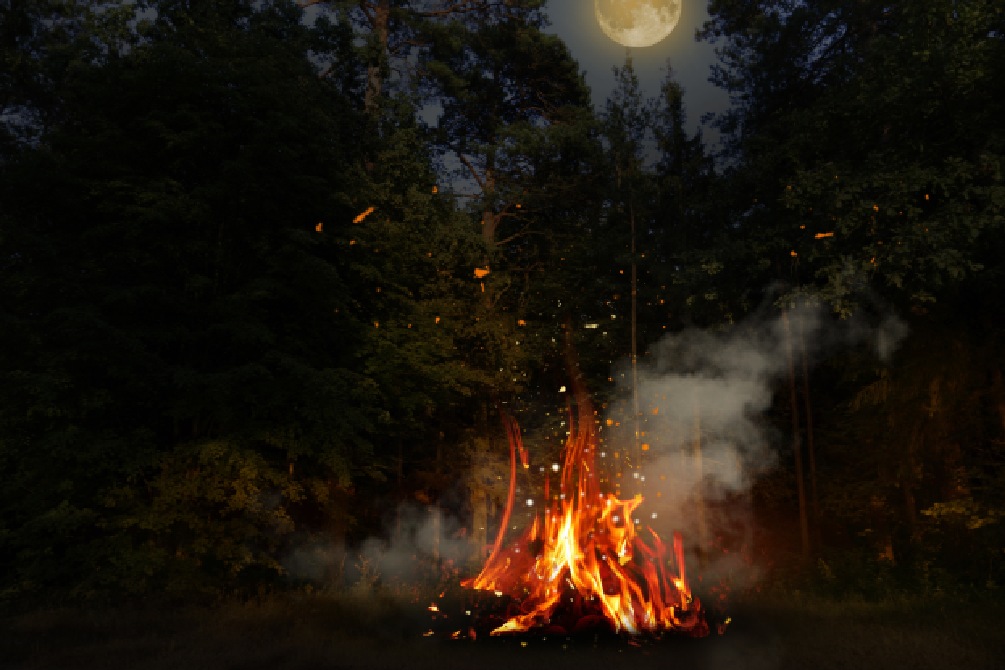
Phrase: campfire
(582, 564)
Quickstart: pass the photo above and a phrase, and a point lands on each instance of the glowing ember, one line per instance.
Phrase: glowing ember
(362, 215)
(582, 556)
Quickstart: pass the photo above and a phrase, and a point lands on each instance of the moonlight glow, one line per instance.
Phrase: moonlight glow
(637, 23)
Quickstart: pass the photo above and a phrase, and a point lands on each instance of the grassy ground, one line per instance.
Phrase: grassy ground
(342, 634)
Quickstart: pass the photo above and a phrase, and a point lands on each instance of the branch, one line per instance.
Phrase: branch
(461, 7)
(472, 170)
(509, 211)
(367, 10)
(500, 291)
(522, 233)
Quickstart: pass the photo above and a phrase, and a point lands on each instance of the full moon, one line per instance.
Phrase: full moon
(637, 23)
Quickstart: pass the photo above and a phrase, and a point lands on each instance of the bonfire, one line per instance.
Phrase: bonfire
(582, 563)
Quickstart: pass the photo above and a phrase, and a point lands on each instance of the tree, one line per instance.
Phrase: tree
(180, 370)
(694, 253)
(867, 171)
(861, 199)
(517, 125)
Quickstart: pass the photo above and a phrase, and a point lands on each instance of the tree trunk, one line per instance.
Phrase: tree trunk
(380, 11)
(999, 394)
(884, 535)
(437, 515)
(435, 528)
(810, 448)
(478, 487)
(908, 476)
(479, 525)
(699, 497)
(490, 219)
(490, 223)
(804, 532)
(636, 456)
(399, 471)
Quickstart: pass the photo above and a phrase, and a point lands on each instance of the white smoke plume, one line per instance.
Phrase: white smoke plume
(702, 397)
(414, 542)
(702, 437)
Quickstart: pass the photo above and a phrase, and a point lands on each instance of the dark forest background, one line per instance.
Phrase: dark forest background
(267, 273)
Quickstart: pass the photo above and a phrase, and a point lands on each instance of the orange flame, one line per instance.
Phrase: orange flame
(585, 547)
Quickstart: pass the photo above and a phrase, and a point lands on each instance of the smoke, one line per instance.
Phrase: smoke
(703, 440)
(417, 538)
(702, 434)
(414, 544)
(316, 560)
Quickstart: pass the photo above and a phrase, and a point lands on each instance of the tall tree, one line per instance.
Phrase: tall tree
(867, 171)
(516, 124)
(878, 187)
(179, 364)
(692, 248)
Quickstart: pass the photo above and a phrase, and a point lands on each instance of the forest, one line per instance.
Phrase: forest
(275, 275)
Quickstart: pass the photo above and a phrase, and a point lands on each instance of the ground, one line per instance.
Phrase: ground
(342, 634)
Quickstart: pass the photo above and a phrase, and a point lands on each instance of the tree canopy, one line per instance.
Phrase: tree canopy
(269, 270)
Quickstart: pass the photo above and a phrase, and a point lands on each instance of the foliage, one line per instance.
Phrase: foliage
(184, 369)
(255, 293)
(866, 174)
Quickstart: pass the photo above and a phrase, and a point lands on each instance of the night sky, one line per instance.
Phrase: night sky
(574, 22)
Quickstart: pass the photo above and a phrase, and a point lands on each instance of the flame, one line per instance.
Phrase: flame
(584, 549)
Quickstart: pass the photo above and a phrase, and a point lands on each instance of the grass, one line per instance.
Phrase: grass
(371, 633)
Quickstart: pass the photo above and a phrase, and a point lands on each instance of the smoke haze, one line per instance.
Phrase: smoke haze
(702, 399)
